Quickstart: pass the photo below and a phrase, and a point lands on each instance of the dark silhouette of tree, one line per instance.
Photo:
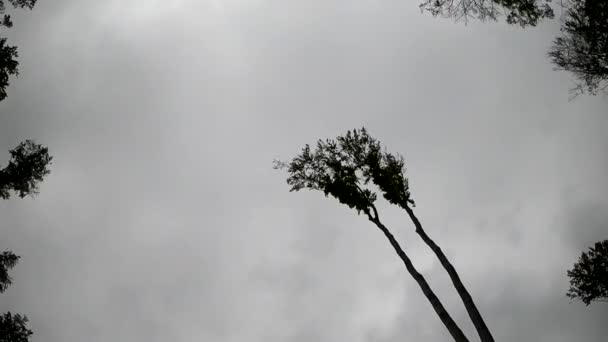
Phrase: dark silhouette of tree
(29, 161)
(8, 65)
(344, 168)
(8, 54)
(13, 328)
(8, 260)
(6, 19)
(589, 276)
(517, 12)
(27, 167)
(582, 48)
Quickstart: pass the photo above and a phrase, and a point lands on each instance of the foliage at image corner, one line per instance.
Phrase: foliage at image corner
(589, 275)
(13, 327)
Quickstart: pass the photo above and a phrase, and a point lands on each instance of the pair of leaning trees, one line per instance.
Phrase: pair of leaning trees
(344, 168)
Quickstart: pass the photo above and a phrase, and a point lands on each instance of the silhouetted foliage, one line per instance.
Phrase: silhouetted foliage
(8, 260)
(345, 168)
(8, 65)
(6, 19)
(28, 166)
(582, 49)
(517, 12)
(13, 328)
(589, 276)
(8, 54)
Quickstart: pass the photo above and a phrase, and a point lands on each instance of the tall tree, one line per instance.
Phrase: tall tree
(8, 54)
(517, 12)
(344, 168)
(589, 276)
(582, 48)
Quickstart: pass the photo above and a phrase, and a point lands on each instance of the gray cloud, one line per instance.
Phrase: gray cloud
(163, 219)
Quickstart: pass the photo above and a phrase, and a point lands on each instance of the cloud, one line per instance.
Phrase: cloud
(163, 219)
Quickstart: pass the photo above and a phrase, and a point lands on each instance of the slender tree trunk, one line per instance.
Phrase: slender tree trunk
(478, 322)
(445, 317)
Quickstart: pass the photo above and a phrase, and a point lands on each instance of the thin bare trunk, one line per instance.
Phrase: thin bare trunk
(478, 322)
(445, 317)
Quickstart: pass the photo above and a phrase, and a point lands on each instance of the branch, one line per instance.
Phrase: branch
(376, 215)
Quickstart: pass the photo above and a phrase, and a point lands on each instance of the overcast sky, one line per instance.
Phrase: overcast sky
(163, 220)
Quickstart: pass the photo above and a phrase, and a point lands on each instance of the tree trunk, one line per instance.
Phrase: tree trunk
(445, 317)
(478, 322)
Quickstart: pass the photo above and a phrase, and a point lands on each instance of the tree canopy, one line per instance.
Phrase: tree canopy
(344, 167)
(8, 260)
(8, 65)
(13, 328)
(6, 19)
(589, 276)
(517, 12)
(27, 167)
(582, 48)
(8, 54)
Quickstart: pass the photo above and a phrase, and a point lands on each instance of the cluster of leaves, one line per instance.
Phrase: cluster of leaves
(6, 19)
(8, 54)
(28, 166)
(589, 276)
(8, 65)
(13, 328)
(344, 167)
(8, 260)
(582, 49)
(518, 12)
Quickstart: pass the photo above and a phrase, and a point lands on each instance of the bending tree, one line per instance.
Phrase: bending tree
(344, 168)
(518, 12)
(589, 276)
(582, 49)
(8, 54)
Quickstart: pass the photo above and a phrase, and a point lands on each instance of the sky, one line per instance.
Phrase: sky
(163, 219)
